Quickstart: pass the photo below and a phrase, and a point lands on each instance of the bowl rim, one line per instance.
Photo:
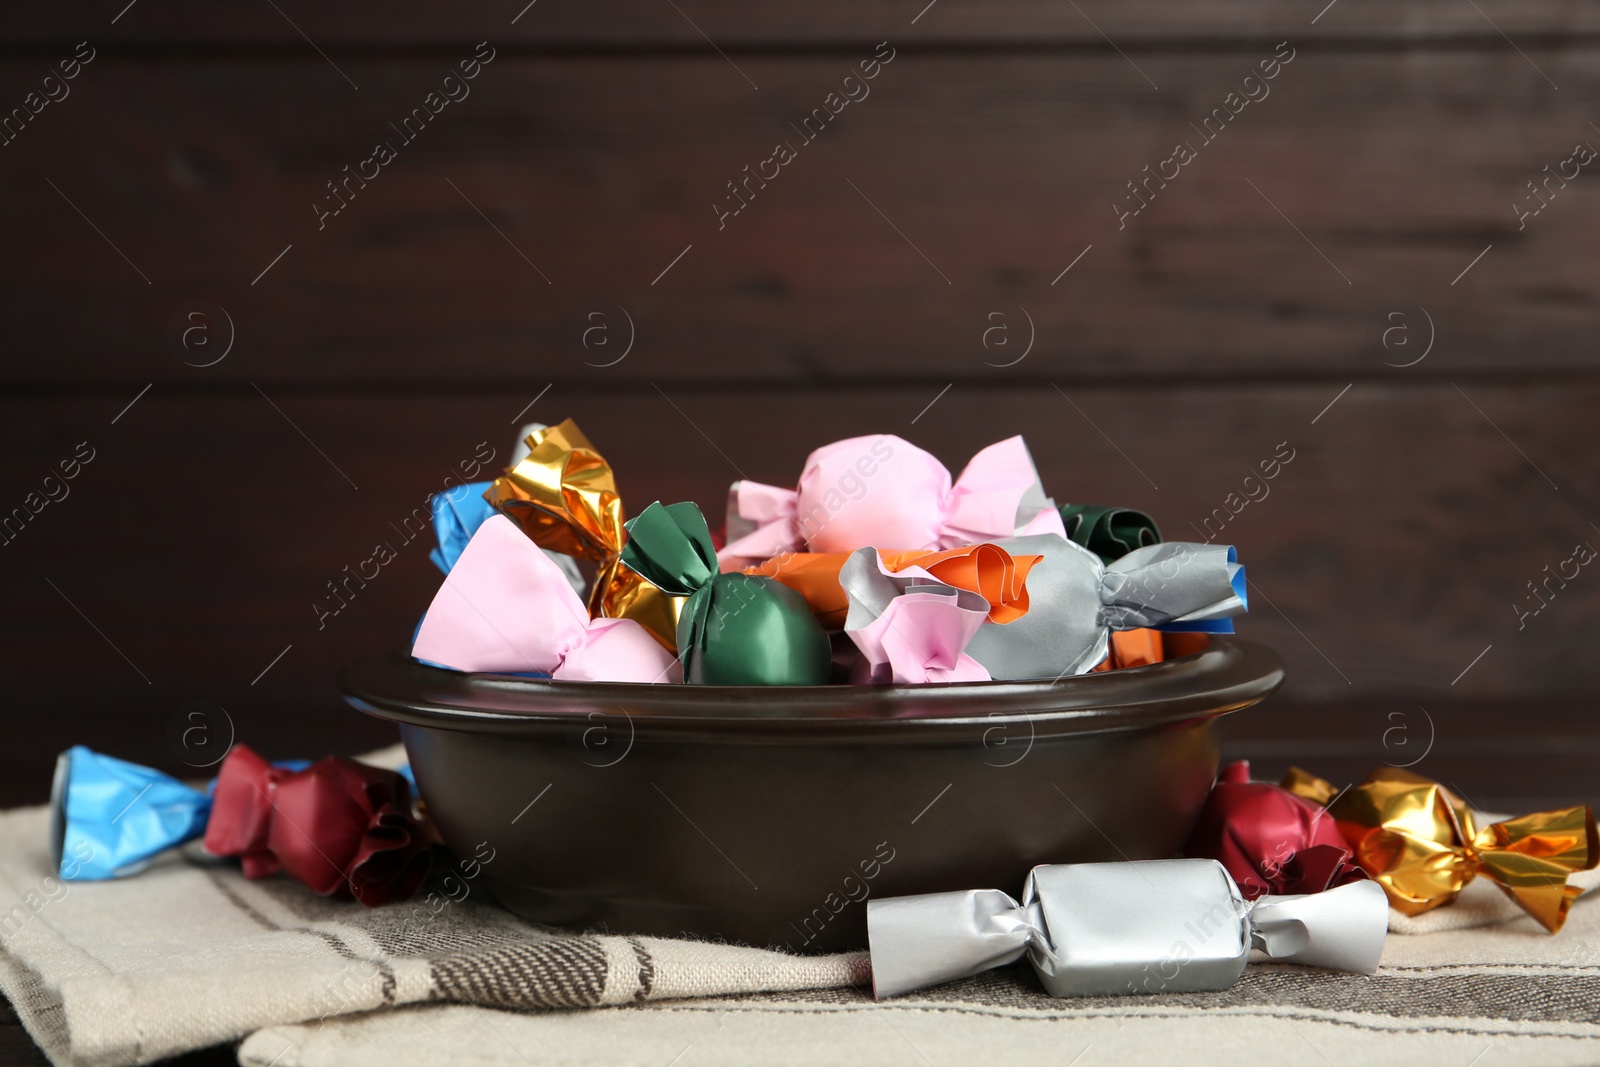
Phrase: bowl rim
(1228, 675)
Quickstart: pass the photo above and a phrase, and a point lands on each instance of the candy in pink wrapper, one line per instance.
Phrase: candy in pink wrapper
(1270, 840)
(506, 607)
(909, 626)
(884, 492)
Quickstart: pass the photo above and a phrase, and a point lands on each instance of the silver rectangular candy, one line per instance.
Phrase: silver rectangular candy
(1145, 927)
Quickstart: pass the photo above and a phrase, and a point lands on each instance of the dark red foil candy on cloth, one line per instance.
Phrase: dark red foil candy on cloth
(337, 826)
(1270, 840)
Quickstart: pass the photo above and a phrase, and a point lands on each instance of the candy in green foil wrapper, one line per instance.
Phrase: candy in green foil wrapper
(734, 629)
(1108, 532)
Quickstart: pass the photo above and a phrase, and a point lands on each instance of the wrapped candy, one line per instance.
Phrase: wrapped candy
(1270, 840)
(1109, 533)
(457, 514)
(986, 569)
(333, 825)
(1095, 929)
(1075, 601)
(563, 494)
(732, 629)
(909, 626)
(337, 826)
(506, 607)
(1133, 648)
(109, 818)
(1421, 843)
(885, 492)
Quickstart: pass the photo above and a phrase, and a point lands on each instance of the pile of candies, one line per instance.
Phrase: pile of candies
(337, 826)
(1418, 840)
(877, 567)
(1302, 871)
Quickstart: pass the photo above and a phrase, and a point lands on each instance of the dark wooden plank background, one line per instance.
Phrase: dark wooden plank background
(858, 285)
(1358, 216)
(1328, 223)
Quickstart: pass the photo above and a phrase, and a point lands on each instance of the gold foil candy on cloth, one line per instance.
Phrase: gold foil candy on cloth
(1305, 784)
(1420, 842)
(564, 495)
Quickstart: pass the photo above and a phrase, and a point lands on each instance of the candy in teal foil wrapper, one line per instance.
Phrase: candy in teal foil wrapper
(735, 629)
(110, 817)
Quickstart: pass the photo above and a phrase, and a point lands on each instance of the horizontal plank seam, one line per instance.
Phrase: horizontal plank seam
(205, 51)
(1154, 380)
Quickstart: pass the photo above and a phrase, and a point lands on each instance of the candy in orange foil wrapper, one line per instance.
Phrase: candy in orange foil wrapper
(985, 569)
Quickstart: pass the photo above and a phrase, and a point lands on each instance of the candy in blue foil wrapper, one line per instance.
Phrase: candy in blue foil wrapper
(457, 514)
(109, 818)
(459, 511)
(1102, 929)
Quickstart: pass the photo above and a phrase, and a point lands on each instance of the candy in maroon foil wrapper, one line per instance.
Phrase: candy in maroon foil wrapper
(1270, 840)
(337, 826)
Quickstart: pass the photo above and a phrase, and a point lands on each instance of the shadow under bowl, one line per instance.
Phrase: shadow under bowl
(767, 815)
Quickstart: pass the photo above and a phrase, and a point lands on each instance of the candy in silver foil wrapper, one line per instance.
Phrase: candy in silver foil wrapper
(1142, 927)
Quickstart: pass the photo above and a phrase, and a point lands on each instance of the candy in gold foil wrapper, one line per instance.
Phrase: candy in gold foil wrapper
(564, 495)
(1305, 784)
(1420, 842)
(620, 592)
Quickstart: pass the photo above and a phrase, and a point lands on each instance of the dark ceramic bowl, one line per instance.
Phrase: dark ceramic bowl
(766, 815)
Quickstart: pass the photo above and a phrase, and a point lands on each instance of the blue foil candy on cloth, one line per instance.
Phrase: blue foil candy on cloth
(108, 818)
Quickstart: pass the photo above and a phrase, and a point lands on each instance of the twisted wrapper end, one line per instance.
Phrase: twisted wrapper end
(921, 941)
(1530, 858)
(998, 494)
(1175, 586)
(1342, 929)
(109, 817)
(761, 523)
(1421, 843)
(563, 494)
